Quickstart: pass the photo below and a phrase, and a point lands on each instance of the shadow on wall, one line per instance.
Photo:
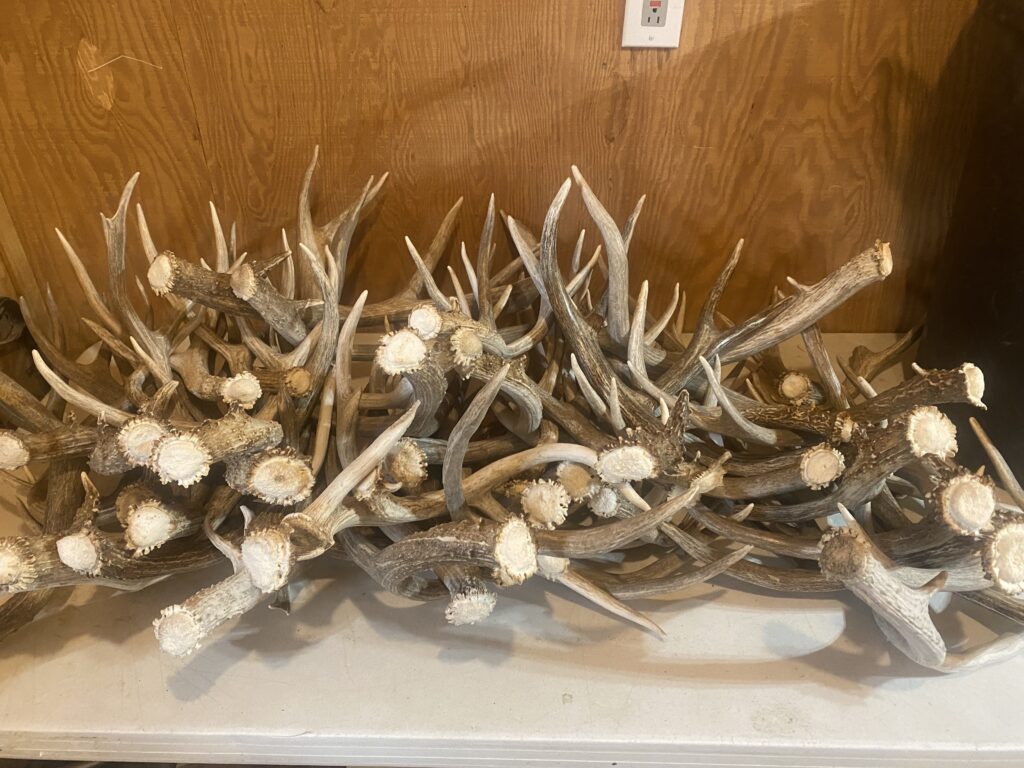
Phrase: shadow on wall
(976, 311)
(812, 147)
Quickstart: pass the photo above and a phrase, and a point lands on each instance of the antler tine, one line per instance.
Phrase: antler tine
(321, 439)
(146, 303)
(618, 265)
(827, 375)
(105, 413)
(674, 379)
(259, 348)
(458, 443)
(323, 352)
(460, 294)
(576, 287)
(614, 410)
(347, 396)
(576, 330)
(148, 246)
(307, 232)
(577, 252)
(868, 364)
(526, 255)
(673, 583)
(484, 259)
(287, 269)
(233, 242)
(471, 277)
(559, 569)
(531, 338)
(152, 254)
(662, 322)
(502, 301)
(92, 296)
(222, 263)
(635, 342)
(439, 299)
(155, 344)
(1006, 475)
(589, 393)
(347, 232)
(236, 356)
(749, 430)
(437, 248)
(711, 394)
(553, 367)
(679, 322)
(343, 356)
(328, 233)
(628, 229)
(153, 365)
(86, 376)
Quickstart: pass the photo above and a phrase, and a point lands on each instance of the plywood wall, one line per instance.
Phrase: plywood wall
(810, 128)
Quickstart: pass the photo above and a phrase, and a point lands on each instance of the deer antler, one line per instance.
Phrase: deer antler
(455, 445)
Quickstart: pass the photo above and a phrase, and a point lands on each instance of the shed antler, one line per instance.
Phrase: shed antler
(454, 442)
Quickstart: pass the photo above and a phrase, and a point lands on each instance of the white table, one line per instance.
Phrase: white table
(357, 677)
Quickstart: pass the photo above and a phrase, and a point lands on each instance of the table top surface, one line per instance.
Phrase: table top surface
(357, 676)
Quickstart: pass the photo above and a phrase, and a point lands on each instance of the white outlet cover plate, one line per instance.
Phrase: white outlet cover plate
(636, 36)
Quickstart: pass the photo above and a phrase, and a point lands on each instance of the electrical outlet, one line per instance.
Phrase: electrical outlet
(654, 14)
(652, 24)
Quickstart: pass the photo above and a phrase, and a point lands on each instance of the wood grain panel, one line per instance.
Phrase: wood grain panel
(77, 118)
(809, 128)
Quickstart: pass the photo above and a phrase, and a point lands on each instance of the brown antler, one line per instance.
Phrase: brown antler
(451, 452)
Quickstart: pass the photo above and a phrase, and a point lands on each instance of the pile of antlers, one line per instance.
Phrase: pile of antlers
(448, 445)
